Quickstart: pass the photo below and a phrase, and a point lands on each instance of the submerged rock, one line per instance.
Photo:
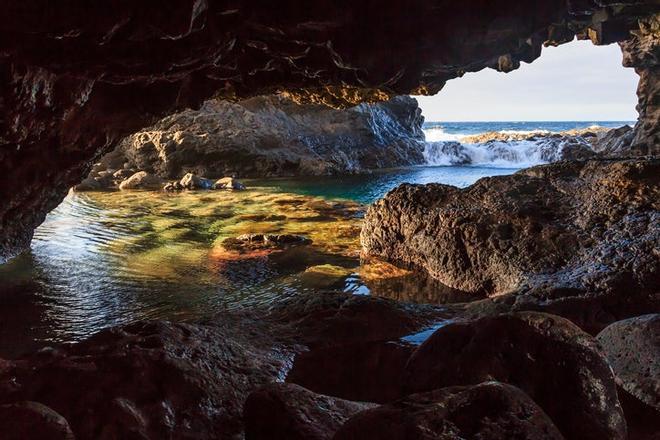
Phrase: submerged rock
(489, 410)
(252, 242)
(290, 412)
(548, 357)
(632, 347)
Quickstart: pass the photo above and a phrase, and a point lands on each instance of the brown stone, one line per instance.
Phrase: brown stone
(559, 366)
(490, 410)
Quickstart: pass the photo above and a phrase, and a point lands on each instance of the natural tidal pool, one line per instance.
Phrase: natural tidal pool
(107, 258)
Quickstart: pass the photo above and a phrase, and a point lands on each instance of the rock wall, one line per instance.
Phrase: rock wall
(77, 78)
(273, 136)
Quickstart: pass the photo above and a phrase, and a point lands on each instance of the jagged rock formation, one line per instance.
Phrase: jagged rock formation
(569, 229)
(273, 136)
(79, 79)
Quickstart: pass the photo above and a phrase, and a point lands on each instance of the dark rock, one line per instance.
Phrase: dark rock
(643, 420)
(553, 361)
(586, 229)
(489, 410)
(33, 421)
(371, 371)
(632, 347)
(290, 412)
(155, 380)
(252, 242)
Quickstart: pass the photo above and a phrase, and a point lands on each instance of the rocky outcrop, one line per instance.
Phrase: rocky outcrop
(551, 230)
(273, 136)
(290, 412)
(489, 410)
(78, 80)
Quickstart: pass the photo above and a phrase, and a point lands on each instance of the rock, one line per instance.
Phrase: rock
(191, 181)
(152, 380)
(446, 153)
(228, 183)
(363, 371)
(141, 180)
(88, 184)
(33, 421)
(289, 412)
(552, 360)
(632, 347)
(124, 173)
(489, 410)
(583, 229)
(251, 242)
(272, 135)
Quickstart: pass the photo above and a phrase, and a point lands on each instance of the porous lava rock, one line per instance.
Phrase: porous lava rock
(490, 410)
(632, 347)
(558, 365)
(150, 380)
(79, 79)
(282, 411)
(584, 230)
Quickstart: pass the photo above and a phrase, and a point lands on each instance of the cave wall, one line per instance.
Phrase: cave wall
(78, 76)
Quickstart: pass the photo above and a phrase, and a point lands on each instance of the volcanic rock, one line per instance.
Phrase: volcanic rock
(565, 229)
(33, 421)
(558, 365)
(490, 410)
(289, 412)
(632, 347)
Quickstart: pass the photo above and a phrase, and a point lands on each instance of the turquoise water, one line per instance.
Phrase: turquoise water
(370, 187)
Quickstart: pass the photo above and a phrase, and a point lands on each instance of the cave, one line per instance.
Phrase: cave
(539, 310)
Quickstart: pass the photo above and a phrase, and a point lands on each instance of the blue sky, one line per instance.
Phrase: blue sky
(573, 82)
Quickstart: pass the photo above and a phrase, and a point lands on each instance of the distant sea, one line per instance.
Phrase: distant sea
(453, 131)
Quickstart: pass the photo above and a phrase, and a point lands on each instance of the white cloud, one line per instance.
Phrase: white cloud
(576, 81)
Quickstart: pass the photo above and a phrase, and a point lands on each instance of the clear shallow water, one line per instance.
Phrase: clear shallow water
(103, 259)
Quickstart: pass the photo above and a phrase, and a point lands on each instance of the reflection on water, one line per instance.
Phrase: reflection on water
(102, 259)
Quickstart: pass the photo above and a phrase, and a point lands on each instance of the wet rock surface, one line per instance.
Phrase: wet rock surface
(581, 230)
(632, 347)
(33, 421)
(546, 356)
(288, 411)
(489, 410)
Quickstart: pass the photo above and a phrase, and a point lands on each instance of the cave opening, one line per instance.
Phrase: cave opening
(256, 220)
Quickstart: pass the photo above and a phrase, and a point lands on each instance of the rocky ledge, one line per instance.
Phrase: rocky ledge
(570, 231)
(268, 136)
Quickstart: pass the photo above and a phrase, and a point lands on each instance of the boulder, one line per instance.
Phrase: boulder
(252, 242)
(141, 180)
(365, 371)
(490, 410)
(632, 347)
(228, 183)
(558, 365)
(583, 232)
(192, 181)
(33, 421)
(289, 412)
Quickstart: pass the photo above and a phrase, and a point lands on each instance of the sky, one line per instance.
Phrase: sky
(576, 81)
